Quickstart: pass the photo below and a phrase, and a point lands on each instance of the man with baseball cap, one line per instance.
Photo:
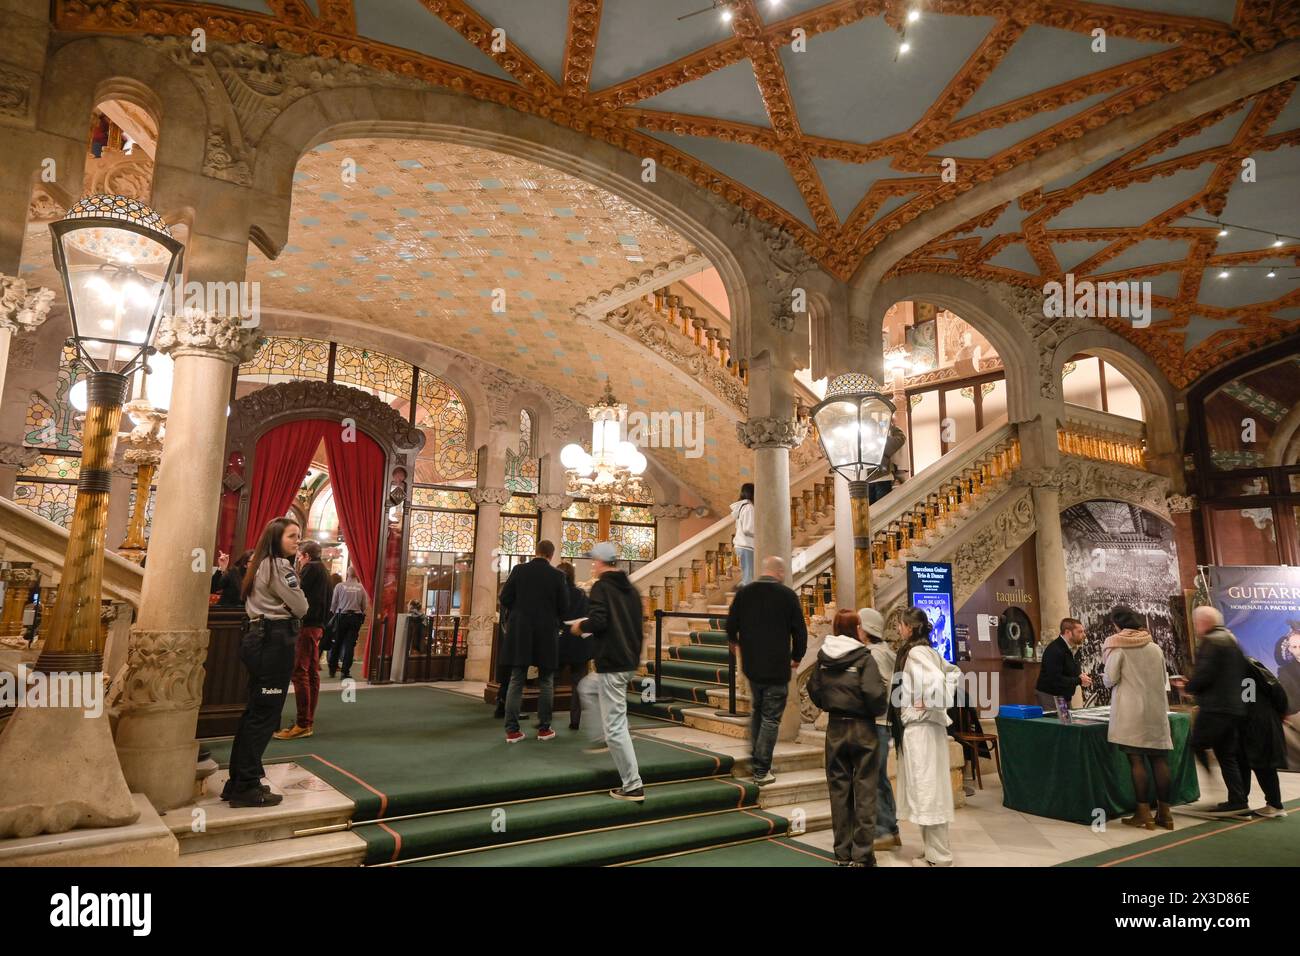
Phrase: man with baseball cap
(614, 622)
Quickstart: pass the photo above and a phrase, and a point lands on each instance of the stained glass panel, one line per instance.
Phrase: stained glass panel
(634, 542)
(518, 535)
(51, 421)
(441, 414)
(578, 537)
(519, 505)
(582, 510)
(441, 531)
(441, 498)
(522, 469)
(381, 375)
(53, 466)
(286, 360)
(51, 501)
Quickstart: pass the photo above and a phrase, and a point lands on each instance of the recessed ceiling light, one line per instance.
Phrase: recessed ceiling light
(1271, 274)
(1277, 241)
(1223, 230)
(1223, 274)
(913, 16)
(904, 47)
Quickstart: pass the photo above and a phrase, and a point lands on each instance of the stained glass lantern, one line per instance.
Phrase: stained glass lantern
(117, 259)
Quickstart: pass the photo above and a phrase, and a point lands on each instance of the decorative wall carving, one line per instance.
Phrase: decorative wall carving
(17, 456)
(490, 496)
(549, 502)
(771, 432)
(164, 670)
(372, 415)
(1045, 332)
(979, 557)
(1181, 504)
(638, 321)
(670, 511)
(193, 330)
(1083, 480)
(596, 306)
(16, 89)
(23, 308)
(119, 174)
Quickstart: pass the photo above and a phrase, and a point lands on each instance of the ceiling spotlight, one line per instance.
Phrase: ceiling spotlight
(1223, 274)
(1223, 230)
(913, 16)
(1277, 241)
(1271, 274)
(904, 47)
(726, 15)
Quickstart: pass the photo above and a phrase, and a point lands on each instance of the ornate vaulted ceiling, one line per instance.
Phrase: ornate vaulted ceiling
(805, 112)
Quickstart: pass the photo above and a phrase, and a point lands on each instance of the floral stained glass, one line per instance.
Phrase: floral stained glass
(286, 360)
(522, 468)
(441, 414)
(441, 531)
(518, 535)
(441, 498)
(51, 421)
(381, 375)
(66, 468)
(50, 500)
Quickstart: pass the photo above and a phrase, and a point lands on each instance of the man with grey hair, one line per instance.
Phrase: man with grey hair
(1217, 685)
(765, 625)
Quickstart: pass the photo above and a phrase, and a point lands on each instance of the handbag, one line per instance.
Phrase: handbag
(330, 632)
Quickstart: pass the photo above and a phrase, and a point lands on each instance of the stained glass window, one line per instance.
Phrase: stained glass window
(51, 500)
(51, 421)
(440, 412)
(441, 498)
(286, 360)
(381, 375)
(632, 530)
(67, 468)
(441, 531)
(518, 535)
(522, 468)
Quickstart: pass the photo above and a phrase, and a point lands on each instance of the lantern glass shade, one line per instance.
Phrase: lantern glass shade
(117, 260)
(853, 425)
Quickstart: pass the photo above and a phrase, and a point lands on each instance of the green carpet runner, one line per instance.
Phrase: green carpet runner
(688, 673)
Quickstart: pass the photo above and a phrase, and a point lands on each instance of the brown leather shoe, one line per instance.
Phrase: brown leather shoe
(1142, 818)
(1164, 816)
(292, 733)
(891, 841)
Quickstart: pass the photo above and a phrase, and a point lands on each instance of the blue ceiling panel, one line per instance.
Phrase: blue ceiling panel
(730, 94)
(1220, 134)
(847, 183)
(1199, 328)
(889, 205)
(773, 11)
(1134, 205)
(761, 171)
(1269, 203)
(637, 36)
(539, 27)
(1242, 287)
(1045, 57)
(1148, 252)
(1016, 256)
(408, 25)
(1008, 221)
(1289, 118)
(993, 141)
(848, 85)
(1071, 254)
(1211, 9)
(1165, 284)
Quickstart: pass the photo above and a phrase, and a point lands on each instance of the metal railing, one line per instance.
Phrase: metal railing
(660, 614)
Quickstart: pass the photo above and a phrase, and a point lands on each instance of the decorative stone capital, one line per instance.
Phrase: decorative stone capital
(164, 670)
(490, 496)
(17, 456)
(670, 511)
(1048, 478)
(551, 502)
(143, 455)
(194, 331)
(22, 308)
(1181, 504)
(772, 432)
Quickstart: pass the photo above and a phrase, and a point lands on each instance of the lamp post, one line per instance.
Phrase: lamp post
(853, 425)
(612, 471)
(117, 259)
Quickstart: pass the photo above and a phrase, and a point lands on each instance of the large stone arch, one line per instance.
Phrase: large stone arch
(712, 225)
(976, 306)
(1152, 387)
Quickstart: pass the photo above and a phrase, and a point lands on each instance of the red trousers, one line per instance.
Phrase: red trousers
(306, 674)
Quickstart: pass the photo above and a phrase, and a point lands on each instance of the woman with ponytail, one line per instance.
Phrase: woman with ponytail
(922, 690)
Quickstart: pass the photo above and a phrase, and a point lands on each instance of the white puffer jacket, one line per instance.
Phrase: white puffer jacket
(743, 510)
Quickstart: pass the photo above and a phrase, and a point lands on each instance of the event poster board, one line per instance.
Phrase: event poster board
(929, 587)
(1261, 606)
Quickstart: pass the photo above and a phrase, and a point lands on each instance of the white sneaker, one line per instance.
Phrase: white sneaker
(1272, 813)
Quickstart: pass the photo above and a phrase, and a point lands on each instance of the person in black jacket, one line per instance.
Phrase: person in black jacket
(615, 622)
(315, 578)
(533, 603)
(1263, 747)
(847, 684)
(232, 581)
(574, 652)
(765, 623)
(1060, 673)
(1217, 683)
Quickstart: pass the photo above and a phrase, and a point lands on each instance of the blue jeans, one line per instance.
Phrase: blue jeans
(608, 694)
(746, 556)
(767, 703)
(515, 698)
(886, 812)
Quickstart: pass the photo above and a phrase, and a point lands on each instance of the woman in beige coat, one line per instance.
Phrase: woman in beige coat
(1139, 712)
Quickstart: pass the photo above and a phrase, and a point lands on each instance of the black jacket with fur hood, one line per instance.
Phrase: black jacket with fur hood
(846, 681)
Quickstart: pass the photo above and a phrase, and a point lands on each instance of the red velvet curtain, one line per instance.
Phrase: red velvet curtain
(281, 459)
(357, 476)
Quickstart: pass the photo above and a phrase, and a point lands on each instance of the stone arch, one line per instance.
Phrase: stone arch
(709, 223)
(977, 307)
(1084, 480)
(1152, 386)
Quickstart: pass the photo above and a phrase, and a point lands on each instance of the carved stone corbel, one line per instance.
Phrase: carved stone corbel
(490, 496)
(772, 432)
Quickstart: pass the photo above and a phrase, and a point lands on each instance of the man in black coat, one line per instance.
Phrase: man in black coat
(533, 602)
(1060, 673)
(765, 624)
(1218, 683)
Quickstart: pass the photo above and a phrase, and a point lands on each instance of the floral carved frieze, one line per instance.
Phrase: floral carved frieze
(551, 502)
(364, 411)
(772, 432)
(194, 330)
(670, 511)
(164, 670)
(1079, 480)
(490, 496)
(638, 321)
(992, 544)
(21, 307)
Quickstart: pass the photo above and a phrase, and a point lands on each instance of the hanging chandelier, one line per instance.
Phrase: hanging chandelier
(611, 472)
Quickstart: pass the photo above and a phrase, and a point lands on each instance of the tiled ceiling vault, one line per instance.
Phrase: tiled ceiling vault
(807, 113)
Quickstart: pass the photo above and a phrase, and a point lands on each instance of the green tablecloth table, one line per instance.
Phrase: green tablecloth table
(1068, 771)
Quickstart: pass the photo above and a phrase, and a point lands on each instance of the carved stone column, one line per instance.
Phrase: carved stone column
(22, 309)
(483, 603)
(164, 683)
(668, 526)
(771, 439)
(143, 456)
(552, 524)
(1049, 551)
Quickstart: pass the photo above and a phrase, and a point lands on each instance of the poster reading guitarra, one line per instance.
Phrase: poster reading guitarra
(1261, 606)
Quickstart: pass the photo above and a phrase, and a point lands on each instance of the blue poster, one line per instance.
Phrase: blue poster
(1261, 607)
(929, 587)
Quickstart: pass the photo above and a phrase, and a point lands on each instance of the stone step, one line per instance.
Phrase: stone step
(807, 817)
(342, 848)
(708, 718)
(794, 788)
(788, 758)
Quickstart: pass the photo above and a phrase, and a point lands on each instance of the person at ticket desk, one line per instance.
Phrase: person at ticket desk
(1060, 673)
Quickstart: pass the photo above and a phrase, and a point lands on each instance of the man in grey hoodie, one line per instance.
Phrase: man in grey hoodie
(847, 684)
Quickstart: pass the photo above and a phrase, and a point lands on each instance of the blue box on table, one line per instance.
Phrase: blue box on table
(1020, 711)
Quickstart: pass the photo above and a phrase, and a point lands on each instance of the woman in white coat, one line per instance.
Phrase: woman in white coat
(923, 688)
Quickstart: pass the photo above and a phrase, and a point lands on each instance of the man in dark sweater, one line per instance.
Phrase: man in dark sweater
(1218, 684)
(615, 623)
(766, 626)
(1060, 673)
(315, 580)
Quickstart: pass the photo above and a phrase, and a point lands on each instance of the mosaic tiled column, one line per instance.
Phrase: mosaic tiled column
(164, 682)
